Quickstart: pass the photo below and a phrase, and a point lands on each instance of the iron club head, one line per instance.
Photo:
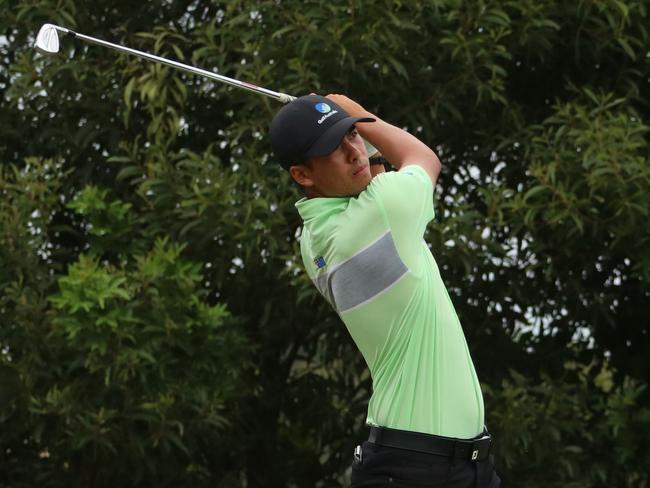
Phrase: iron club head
(47, 40)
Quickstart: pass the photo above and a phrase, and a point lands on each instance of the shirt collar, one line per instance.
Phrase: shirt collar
(313, 208)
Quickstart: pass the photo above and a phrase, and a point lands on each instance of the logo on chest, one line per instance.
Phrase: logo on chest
(320, 262)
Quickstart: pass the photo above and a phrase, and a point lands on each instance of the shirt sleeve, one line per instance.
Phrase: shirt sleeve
(406, 198)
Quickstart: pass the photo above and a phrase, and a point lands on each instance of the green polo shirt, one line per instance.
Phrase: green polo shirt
(367, 257)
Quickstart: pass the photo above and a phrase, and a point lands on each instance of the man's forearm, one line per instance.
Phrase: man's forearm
(400, 148)
(397, 146)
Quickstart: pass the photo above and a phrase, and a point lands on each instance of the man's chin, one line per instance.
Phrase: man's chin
(360, 190)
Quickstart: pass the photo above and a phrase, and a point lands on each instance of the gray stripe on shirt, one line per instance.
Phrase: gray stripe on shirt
(365, 275)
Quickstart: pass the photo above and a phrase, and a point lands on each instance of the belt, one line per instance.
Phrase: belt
(476, 449)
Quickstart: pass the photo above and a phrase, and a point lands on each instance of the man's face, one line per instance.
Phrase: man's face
(344, 172)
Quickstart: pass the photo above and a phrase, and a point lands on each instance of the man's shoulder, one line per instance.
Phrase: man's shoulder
(404, 188)
(411, 173)
(346, 234)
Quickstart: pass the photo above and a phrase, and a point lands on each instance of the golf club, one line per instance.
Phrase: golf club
(47, 42)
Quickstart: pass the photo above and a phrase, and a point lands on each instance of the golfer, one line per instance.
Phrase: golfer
(362, 246)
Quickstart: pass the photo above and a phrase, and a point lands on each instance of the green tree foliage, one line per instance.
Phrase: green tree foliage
(155, 325)
(116, 372)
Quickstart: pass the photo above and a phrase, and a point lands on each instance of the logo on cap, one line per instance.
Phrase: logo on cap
(323, 107)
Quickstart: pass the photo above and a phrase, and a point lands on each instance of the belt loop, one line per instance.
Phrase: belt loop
(458, 450)
(375, 435)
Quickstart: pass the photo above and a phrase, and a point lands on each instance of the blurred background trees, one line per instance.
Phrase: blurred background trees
(155, 325)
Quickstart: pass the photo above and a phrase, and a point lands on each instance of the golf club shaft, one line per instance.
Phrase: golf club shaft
(282, 97)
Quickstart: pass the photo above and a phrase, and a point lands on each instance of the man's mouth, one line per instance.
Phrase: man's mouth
(358, 170)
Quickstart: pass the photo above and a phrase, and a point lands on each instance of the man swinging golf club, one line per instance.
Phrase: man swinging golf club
(362, 246)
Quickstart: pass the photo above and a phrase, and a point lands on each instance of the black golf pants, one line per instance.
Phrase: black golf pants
(382, 466)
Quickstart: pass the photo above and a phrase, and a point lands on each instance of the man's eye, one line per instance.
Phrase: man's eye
(354, 133)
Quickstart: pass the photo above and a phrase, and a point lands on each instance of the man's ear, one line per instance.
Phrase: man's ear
(301, 175)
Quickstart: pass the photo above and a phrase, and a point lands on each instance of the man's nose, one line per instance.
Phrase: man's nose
(353, 153)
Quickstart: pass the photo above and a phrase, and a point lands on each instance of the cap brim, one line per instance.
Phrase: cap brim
(329, 141)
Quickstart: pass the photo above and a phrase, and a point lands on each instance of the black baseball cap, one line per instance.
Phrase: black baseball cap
(309, 126)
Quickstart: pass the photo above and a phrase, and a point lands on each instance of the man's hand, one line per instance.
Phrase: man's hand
(349, 105)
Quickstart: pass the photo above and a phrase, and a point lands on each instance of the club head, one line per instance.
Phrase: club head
(47, 40)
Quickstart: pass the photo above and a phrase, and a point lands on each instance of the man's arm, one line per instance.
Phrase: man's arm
(395, 144)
